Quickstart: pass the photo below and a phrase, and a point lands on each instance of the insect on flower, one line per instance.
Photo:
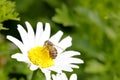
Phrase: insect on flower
(52, 50)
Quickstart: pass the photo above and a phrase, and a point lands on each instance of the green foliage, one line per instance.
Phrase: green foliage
(63, 16)
(38, 75)
(93, 25)
(96, 34)
(7, 12)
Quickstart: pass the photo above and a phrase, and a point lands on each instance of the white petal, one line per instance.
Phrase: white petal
(56, 68)
(46, 34)
(64, 67)
(24, 37)
(33, 67)
(74, 66)
(17, 43)
(67, 68)
(56, 37)
(60, 68)
(20, 57)
(23, 34)
(65, 63)
(31, 35)
(73, 77)
(63, 76)
(54, 77)
(47, 74)
(74, 60)
(70, 53)
(59, 76)
(66, 58)
(39, 32)
(65, 43)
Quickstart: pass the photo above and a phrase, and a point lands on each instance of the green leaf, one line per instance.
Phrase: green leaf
(63, 16)
(2, 28)
(7, 12)
(37, 75)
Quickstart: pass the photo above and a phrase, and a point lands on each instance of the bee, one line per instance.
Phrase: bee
(52, 50)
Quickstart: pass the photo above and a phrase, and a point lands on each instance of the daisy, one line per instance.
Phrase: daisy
(62, 76)
(35, 50)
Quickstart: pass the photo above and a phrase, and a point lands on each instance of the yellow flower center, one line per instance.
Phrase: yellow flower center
(40, 57)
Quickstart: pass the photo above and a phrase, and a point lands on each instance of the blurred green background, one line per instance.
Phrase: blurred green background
(94, 26)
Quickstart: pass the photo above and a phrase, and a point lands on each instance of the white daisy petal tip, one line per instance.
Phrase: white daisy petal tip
(62, 76)
(66, 42)
(19, 26)
(56, 37)
(47, 26)
(81, 61)
(39, 24)
(60, 32)
(73, 77)
(13, 56)
(70, 53)
(29, 27)
(19, 57)
(8, 36)
(70, 40)
(26, 22)
(76, 52)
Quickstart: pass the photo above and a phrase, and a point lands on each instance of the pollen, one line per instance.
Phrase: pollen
(40, 57)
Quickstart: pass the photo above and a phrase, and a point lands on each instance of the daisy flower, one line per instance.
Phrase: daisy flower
(62, 76)
(40, 50)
